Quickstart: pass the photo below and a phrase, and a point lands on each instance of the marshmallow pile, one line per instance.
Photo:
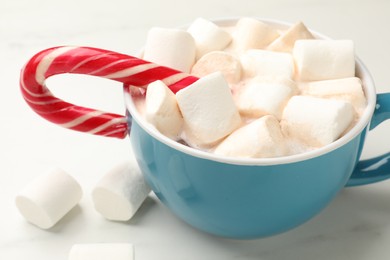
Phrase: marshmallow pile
(262, 92)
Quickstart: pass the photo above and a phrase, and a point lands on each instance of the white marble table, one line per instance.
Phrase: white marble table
(355, 226)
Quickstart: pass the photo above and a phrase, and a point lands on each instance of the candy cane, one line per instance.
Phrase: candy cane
(95, 62)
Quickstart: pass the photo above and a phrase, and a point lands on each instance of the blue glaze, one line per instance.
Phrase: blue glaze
(382, 110)
(246, 201)
(371, 170)
(242, 201)
(378, 168)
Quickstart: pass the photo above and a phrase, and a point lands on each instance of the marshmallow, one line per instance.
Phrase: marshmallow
(259, 139)
(252, 34)
(221, 61)
(316, 121)
(285, 42)
(347, 89)
(267, 63)
(48, 198)
(102, 251)
(208, 109)
(119, 194)
(324, 59)
(265, 97)
(208, 36)
(170, 47)
(162, 111)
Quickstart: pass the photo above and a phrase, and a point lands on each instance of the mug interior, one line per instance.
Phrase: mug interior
(360, 71)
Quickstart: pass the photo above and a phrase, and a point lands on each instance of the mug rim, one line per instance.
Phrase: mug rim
(361, 72)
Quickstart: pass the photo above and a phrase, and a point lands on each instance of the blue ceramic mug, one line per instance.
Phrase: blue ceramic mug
(229, 197)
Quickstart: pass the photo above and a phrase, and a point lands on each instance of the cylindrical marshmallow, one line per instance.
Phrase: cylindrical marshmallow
(259, 139)
(102, 251)
(173, 48)
(316, 121)
(214, 61)
(162, 110)
(252, 34)
(267, 63)
(262, 96)
(119, 194)
(208, 36)
(324, 59)
(208, 110)
(347, 89)
(47, 199)
(285, 42)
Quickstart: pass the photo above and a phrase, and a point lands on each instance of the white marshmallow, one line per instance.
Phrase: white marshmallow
(173, 48)
(347, 89)
(259, 139)
(267, 63)
(208, 36)
(324, 59)
(221, 61)
(265, 97)
(48, 198)
(162, 111)
(208, 109)
(102, 251)
(316, 121)
(285, 42)
(252, 34)
(119, 194)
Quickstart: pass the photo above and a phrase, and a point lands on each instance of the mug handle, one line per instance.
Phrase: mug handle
(126, 69)
(377, 168)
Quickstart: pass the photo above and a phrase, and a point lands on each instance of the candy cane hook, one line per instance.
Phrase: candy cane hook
(95, 62)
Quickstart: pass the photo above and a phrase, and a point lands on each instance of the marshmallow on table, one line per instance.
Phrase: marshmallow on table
(262, 96)
(208, 36)
(162, 111)
(316, 121)
(102, 251)
(267, 63)
(347, 89)
(259, 139)
(285, 42)
(173, 48)
(251, 33)
(119, 194)
(324, 59)
(48, 198)
(221, 61)
(208, 109)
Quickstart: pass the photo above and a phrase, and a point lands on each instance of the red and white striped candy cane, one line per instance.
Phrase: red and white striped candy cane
(95, 62)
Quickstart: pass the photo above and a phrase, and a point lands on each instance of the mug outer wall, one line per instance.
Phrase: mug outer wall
(242, 201)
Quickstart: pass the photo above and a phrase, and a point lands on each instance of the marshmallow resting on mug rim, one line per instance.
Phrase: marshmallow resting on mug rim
(260, 138)
(251, 33)
(120, 192)
(48, 198)
(316, 121)
(347, 89)
(208, 110)
(162, 111)
(173, 48)
(324, 59)
(208, 36)
(102, 251)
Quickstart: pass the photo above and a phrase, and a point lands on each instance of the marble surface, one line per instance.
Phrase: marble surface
(355, 226)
